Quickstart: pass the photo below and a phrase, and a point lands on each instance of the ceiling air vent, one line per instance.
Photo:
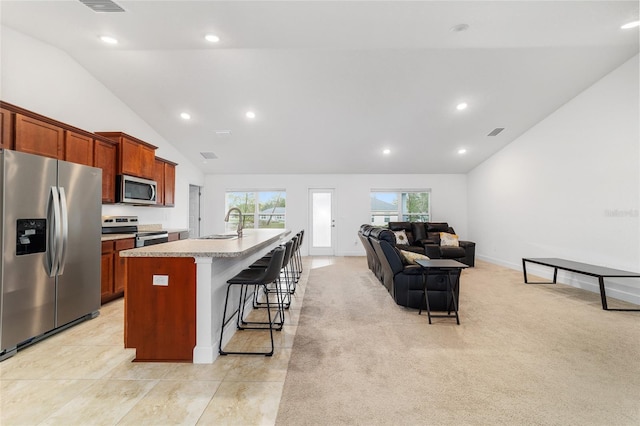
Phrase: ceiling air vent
(496, 131)
(102, 5)
(209, 155)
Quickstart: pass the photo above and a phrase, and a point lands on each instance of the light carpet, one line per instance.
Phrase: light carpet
(523, 355)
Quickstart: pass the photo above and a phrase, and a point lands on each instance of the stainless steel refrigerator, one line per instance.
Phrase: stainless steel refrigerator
(51, 226)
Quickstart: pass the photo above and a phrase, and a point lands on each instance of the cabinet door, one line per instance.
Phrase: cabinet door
(120, 269)
(158, 176)
(6, 129)
(147, 161)
(37, 137)
(137, 159)
(169, 184)
(78, 148)
(105, 158)
(130, 156)
(106, 276)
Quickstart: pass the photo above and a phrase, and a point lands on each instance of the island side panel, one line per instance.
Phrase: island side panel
(160, 320)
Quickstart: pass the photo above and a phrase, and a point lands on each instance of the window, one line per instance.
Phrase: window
(392, 206)
(260, 209)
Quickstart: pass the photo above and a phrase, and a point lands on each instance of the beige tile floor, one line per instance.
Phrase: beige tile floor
(84, 375)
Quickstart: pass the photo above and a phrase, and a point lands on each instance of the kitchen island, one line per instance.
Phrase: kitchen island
(175, 294)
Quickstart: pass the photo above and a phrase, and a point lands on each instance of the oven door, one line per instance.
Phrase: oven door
(133, 190)
(143, 240)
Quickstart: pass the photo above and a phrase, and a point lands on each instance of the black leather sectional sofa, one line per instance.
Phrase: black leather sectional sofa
(424, 238)
(403, 281)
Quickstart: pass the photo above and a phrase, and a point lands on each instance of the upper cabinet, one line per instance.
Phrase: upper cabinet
(6, 129)
(38, 137)
(135, 157)
(105, 156)
(78, 148)
(115, 153)
(165, 177)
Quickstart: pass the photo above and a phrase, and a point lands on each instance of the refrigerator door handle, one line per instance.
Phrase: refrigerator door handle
(53, 241)
(64, 237)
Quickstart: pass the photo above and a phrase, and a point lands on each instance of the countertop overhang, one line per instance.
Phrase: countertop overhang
(252, 240)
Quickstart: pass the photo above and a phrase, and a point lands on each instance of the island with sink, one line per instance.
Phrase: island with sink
(175, 293)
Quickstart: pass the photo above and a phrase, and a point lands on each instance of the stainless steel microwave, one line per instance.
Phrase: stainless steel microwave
(135, 190)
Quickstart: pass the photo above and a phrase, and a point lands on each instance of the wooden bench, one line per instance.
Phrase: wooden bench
(599, 272)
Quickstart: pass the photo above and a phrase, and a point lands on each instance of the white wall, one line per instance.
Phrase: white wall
(43, 79)
(448, 200)
(569, 187)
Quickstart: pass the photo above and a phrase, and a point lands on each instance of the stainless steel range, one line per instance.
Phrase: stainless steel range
(129, 225)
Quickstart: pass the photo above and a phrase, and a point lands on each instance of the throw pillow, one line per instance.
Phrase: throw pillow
(411, 257)
(448, 240)
(401, 238)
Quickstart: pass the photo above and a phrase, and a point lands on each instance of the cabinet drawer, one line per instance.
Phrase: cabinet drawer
(107, 247)
(125, 244)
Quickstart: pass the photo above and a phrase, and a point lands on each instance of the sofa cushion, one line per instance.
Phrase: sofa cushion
(411, 257)
(448, 240)
(437, 226)
(401, 237)
(418, 230)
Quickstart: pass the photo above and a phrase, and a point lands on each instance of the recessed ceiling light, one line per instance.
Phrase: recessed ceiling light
(461, 106)
(185, 116)
(251, 114)
(462, 151)
(386, 151)
(458, 28)
(109, 40)
(632, 24)
(212, 38)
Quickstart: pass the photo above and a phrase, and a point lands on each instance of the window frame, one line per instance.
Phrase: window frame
(256, 216)
(400, 214)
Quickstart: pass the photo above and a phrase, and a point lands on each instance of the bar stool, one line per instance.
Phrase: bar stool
(286, 277)
(256, 278)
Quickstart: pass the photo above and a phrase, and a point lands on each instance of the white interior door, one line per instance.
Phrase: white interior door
(194, 211)
(323, 227)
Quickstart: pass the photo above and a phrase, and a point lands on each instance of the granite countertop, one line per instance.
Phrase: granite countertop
(111, 237)
(251, 240)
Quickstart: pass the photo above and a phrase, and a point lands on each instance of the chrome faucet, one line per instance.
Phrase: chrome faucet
(240, 219)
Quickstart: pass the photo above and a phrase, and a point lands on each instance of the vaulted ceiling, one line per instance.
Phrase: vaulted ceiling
(332, 83)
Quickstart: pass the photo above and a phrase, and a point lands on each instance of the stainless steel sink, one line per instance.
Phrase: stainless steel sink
(219, 237)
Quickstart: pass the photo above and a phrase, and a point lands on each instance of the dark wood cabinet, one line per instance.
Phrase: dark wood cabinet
(105, 157)
(38, 137)
(160, 321)
(106, 277)
(158, 176)
(78, 148)
(113, 152)
(165, 177)
(120, 264)
(169, 183)
(114, 268)
(6, 129)
(135, 157)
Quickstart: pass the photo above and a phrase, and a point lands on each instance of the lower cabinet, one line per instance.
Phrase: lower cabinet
(114, 268)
